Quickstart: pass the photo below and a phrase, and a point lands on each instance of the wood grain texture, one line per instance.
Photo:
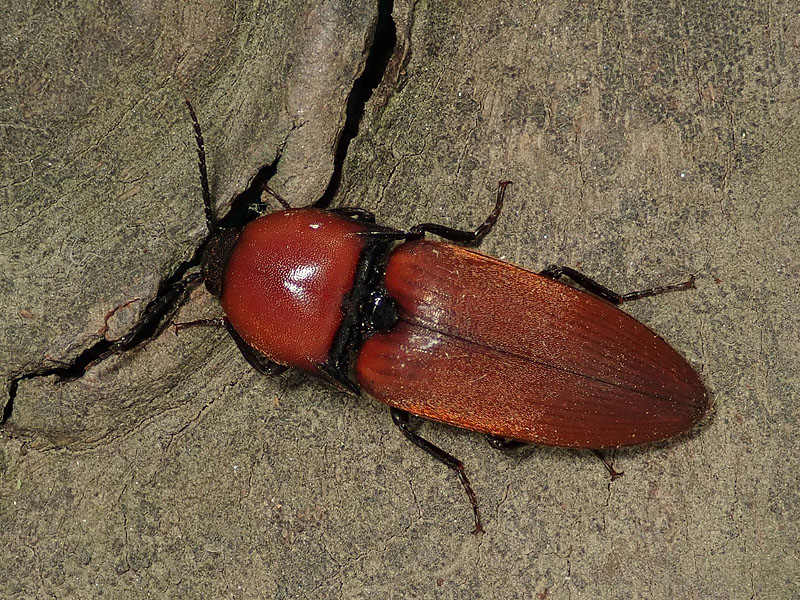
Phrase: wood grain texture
(491, 347)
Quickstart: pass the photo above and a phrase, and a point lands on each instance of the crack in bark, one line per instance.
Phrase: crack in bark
(380, 51)
(172, 293)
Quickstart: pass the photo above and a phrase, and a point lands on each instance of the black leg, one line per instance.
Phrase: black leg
(220, 322)
(385, 234)
(160, 310)
(500, 443)
(254, 358)
(556, 272)
(361, 214)
(472, 238)
(609, 465)
(277, 196)
(401, 418)
(201, 162)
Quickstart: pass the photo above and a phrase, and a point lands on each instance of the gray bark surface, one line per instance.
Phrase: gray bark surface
(646, 141)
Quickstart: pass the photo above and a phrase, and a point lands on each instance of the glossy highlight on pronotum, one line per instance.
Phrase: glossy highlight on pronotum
(439, 331)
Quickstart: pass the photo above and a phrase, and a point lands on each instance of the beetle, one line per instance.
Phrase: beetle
(435, 330)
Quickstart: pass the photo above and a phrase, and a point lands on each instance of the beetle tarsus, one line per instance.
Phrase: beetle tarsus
(401, 419)
(609, 466)
(219, 322)
(470, 238)
(686, 285)
(556, 272)
(284, 203)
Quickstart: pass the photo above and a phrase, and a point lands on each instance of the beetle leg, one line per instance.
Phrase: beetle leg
(471, 238)
(500, 443)
(609, 465)
(361, 214)
(556, 272)
(160, 310)
(284, 203)
(198, 323)
(384, 234)
(381, 232)
(255, 358)
(401, 419)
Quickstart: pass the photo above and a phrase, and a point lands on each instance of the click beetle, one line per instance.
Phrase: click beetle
(441, 332)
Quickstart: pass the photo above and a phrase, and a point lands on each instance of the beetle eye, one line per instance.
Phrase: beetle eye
(215, 258)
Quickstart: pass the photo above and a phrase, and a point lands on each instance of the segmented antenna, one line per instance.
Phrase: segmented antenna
(201, 163)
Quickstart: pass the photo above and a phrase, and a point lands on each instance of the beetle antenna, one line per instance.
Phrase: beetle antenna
(201, 163)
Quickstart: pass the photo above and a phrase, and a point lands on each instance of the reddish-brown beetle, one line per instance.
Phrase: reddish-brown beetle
(444, 333)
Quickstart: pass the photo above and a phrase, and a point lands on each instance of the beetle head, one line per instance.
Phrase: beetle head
(215, 257)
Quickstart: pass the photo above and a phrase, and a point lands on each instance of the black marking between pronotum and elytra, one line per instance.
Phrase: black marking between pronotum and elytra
(367, 308)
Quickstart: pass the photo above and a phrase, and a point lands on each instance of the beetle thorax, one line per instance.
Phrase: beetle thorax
(286, 280)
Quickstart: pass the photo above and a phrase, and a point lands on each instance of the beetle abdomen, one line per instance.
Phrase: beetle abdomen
(491, 347)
